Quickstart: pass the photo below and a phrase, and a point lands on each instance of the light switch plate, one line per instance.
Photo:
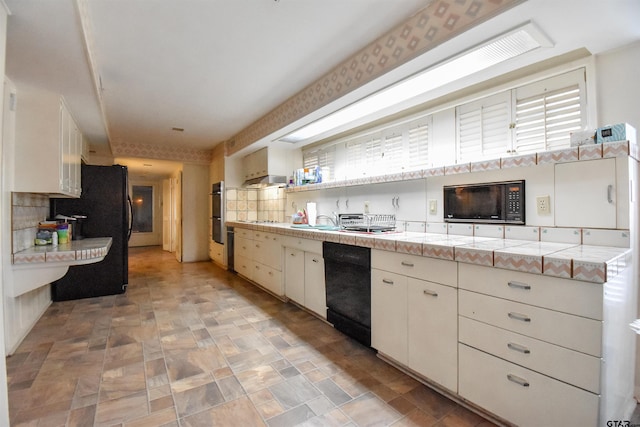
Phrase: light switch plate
(433, 206)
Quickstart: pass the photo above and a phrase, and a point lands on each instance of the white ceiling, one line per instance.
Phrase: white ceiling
(213, 67)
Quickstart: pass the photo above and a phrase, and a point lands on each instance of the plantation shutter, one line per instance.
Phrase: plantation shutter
(392, 155)
(373, 153)
(355, 154)
(483, 128)
(418, 149)
(547, 112)
(324, 158)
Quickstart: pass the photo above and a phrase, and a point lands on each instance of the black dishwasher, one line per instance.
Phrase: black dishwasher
(347, 272)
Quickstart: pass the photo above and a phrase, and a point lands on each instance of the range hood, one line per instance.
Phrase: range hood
(265, 181)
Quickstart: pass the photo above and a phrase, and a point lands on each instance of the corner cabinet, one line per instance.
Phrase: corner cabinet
(48, 145)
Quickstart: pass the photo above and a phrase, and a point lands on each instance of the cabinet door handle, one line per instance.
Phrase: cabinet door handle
(610, 193)
(387, 281)
(518, 316)
(407, 264)
(518, 347)
(315, 260)
(519, 285)
(430, 293)
(518, 380)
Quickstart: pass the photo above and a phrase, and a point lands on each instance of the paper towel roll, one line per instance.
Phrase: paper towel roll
(311, 213)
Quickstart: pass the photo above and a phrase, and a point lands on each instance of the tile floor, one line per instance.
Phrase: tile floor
(193, 345)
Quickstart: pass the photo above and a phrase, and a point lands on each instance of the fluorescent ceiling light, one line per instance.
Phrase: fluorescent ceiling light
(509, 45)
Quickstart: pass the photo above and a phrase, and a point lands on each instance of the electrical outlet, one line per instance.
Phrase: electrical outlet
(433, 206)
(543, 204)
(366, 207)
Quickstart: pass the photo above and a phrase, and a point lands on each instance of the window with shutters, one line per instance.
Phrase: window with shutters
(483, 128)
(532, 118)
(324, 158)
(418, 147)
(547, 112)
(526, 119)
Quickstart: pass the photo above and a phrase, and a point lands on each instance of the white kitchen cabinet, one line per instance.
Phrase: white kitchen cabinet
(266, 161)
(315, 295)
(415, 321)
(294, 275)
(389, 314)
(267, 257)
(517, 332)
(243, 254)
(216, 252)
(48, 145)
(585, 194)
(304, 275)
(433, 331)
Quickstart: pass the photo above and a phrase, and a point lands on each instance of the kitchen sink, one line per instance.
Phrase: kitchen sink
(326, 227)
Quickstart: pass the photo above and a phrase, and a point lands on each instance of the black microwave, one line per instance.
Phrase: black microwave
(493, 202)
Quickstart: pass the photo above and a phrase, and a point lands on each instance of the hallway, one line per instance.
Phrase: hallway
(193, 345)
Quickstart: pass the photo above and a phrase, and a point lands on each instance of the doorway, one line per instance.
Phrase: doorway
(146, 199)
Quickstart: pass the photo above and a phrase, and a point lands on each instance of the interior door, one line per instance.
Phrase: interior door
(166, 215)
(176, 203)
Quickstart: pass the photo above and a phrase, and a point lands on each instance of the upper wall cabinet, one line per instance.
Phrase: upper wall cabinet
(48, 145)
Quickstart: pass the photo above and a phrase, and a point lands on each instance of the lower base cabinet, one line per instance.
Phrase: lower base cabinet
(315, 295)
(433, 325)
(520, 395)
(304, 280)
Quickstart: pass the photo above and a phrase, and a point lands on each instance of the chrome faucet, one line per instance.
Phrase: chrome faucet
(333, 218)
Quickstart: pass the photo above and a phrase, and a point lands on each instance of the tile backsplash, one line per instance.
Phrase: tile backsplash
(27, 210)
(255, 204)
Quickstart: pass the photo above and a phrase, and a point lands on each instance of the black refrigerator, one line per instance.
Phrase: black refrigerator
(106, 204)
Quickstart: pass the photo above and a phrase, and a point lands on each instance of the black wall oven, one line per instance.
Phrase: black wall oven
(217, 212)
(493, 202)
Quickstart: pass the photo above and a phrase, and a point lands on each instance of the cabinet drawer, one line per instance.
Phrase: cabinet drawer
(433, 270)
(243, 247)
(268, 250)
(433, 331)
(244, 266)
(521, 396)
(244, 233)
(306, 245)
(268, 277)
(566, 295)
(577, 333)
(561, 363)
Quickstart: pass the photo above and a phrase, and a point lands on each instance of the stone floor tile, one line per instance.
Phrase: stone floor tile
(193, 345)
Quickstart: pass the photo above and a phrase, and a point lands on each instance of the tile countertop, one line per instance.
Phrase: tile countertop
(75, 252)
(566, 260)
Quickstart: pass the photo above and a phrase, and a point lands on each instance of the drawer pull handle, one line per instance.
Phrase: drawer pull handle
(516, 379)
(519, 285)
(407, 264)
(315, 260)
(387, 281)
(518, 347)
(518, 316)
(430, 293)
